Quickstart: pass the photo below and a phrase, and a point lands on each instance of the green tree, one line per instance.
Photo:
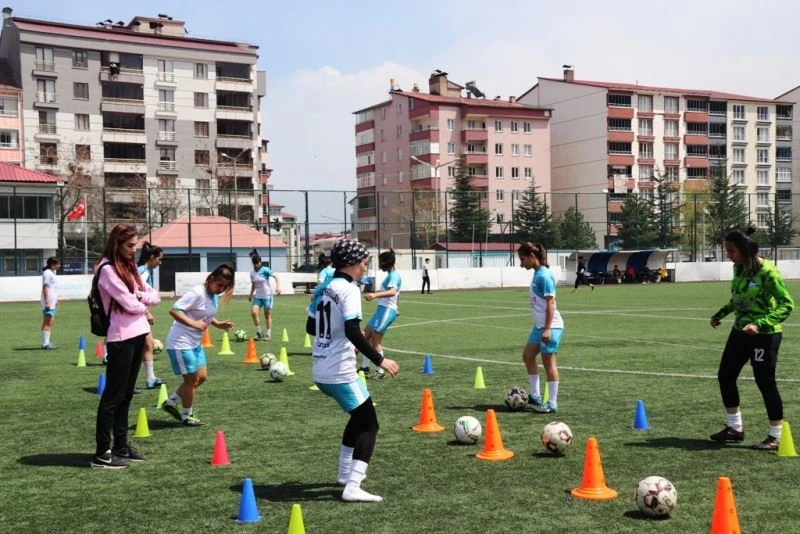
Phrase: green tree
(667, 211)
(574, 232)
(727, 206)
(780, 229)
(467, 218)
(532, 220)
(638, 226)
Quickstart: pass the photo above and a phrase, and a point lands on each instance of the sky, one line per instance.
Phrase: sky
(325, 60)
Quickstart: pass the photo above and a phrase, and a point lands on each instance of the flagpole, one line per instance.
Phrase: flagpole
(85, 237)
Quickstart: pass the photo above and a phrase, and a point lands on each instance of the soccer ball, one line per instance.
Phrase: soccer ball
(516, 398)
(655, 496)
(158, 346)
(267, 359)
(467, 429)
(556, 437)
(240, 335)
(278, 371)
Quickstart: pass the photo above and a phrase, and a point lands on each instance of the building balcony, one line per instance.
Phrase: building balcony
(48, 164)
(431, 134)
(244, 113)
(166, 138)
(166, 109)
(165, 79)
(366, 212)
(479, 180)
(629, 183)
(121, 135)
(421, 110)
(366, 147)
(621, 136)
(672, 162)
(234, 84)
(365, 169)
(122, 105)
(476, 158)
(168, 167)
(124, 75)
(45, 100)
(125, 166)
(234, 141)
(695, 116)
(620, 159)
(474, 134)
(645, 138)
(698, 162)
(695, 139)
(364, 126)
(646, 160)
(47, 129)
(44, 69)
(620, 113)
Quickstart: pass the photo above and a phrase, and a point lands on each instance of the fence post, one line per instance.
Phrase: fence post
(189, 227)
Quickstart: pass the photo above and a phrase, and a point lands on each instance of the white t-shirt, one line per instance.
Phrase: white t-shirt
(260, 280)
(543, 285)
(196, 304)
(392, 280)
(50, 281)
(334, 358)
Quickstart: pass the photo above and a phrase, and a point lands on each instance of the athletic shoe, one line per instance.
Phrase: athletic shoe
(259, 336)
(534, 400)
(267, 337)
(191, 421)
(172, 410)
(154, 384)
(129, 453)
(769, 444)
(379, 374)
(728, 434)
(547, 407)
(49, 346)
(108, 461)
(365, 370)
(136, 391)
(105, 360)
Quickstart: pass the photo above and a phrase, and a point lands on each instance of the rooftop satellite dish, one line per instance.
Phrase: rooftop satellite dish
(473, 90)
(438, 72)
(566, 66)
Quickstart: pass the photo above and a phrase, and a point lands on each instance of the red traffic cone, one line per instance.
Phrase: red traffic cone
(220, 457)
(99, 350)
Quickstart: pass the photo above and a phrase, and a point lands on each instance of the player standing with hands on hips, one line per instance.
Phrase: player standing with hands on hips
(760, 302)
(49, 300)
(334, 317)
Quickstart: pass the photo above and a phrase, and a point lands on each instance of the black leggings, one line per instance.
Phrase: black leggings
(581, 279)
(762, 352)
(361, 431)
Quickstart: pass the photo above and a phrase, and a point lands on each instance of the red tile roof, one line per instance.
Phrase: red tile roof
(466, 247)
(210, 232)
(635, 88)
(130, 36)
(13, 173)
(468, 101)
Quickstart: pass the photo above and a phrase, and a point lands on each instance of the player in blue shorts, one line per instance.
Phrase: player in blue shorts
(261, 295)
(49, 300)
(386, 312)
(193, 312)
(334, 317)
(149, 259)
(547, 330)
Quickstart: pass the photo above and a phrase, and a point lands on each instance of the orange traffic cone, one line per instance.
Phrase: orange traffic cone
(427, 416)
(724, 520)
(493, 449)
(220, 456)
(593, 486)
(206, 339)
(250, 356)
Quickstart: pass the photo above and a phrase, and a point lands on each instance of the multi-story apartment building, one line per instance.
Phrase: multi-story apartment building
(140, 105)
(10, 116)
(613, 138)
(412, 141)
(792, 96)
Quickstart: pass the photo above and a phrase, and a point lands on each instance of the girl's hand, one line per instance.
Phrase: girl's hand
(225, 325)
(714, 322)
(750, 329)
(546, 335)
(150, 318)
(369, 296)
(201, 324)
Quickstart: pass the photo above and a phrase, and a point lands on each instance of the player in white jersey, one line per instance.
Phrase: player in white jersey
(386, 312)
(49, 300)
(193, 312)
(261, 295)
(149, 259)
(334, 317)
(547, 328)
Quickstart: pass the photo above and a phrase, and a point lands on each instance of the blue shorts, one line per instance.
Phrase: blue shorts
(382, 319)
(48, 312)
(349, 396)
(546, 348)
(263, 303)
(187, 361)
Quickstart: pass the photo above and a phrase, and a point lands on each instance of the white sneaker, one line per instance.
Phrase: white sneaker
(353, 493)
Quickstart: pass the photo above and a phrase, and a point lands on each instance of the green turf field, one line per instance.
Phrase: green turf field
(622, 344)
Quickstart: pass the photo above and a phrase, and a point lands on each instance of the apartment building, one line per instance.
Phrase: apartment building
(793, 96)
(412, 141)
(611, 139)
(140, 106)
(10, 116)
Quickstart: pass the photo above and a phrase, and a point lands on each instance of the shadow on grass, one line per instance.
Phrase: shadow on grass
(67, 459)
(498, 408)
(298, 354)
(157, 424)
(39, 349)
(548, 455)
(92, 390)
(689, 444)
(636, 514)
(295, 491)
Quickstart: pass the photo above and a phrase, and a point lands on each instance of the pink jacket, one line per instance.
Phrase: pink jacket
(131, 320)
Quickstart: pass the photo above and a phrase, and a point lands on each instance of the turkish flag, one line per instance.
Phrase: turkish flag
(78, 211)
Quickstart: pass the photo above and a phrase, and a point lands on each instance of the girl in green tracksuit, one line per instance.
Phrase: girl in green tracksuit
(760, 303)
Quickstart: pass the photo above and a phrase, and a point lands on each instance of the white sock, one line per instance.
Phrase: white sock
(735, 421)
(776, 431)
(533, 380)
(105, 351)
(269, 332)
(364, 362)
(258, 329)
(45, 337)
(149, 375)
(186, 413)
(552, 390)
(352, 491)
(345, 463)
(173, 399)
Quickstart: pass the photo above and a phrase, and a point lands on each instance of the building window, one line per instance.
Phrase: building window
(646, 103)
(399, 109)
(399, 154)
(9, 106)
(498, 172)
(81, 122)
(399, 131)
(48, 153)
(514, 195)
(739, 133)
(514, 127)
(44, 59)
(527, 150)
(526, 127)
(762, 199)
(80, 91)
(671, 104)
(645, 126)
(783, 174)
(83, 152)
(515, 150)
(201, 71)
(528, 172)
(201, 100)
(383, 156)
(670, 150)
(763, 113)
(383, 136)
(202, 158)
(738, 175)
(783, 153)
(762, 176)
(384, 179)
(46, 91)
(670, 128)
(166, 70)
(200, 129)
(498, 126)
(499, 194)
(80, 59)
(762, 155)
(738, 111)
(515, 173)
(498, 149)
(738, 155)
(762, 134)
(646, 150)
(400, 177)
(166, 100)
(451, 125)
(645, 172)
(9, 139)
(166, 129)
(47, 122)
(451, 148)
(383, 113)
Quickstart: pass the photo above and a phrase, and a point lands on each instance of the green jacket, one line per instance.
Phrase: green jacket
(762, 300)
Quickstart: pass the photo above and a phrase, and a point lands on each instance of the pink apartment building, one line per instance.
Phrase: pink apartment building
(10, 117)
(412, 141)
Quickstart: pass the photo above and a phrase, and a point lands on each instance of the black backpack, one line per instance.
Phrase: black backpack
(98, 318)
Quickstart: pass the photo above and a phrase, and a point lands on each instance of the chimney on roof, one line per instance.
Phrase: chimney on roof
(569, 73)
(415, 88)
(437, 83)
(512, 99)
(7, 12)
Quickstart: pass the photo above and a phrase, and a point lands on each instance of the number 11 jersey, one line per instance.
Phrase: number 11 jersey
(335, 301)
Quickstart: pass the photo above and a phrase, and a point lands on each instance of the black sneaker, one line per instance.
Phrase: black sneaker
(769, 444)
(129, 453)
(172, 410)
(108, 461)
(728, 434)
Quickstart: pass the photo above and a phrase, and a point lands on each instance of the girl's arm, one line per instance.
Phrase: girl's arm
(549, 311)
(182, 318)
(277, 284)
(223, 325)
(392, 291)
(252, 290)
(46, 295)
(118, 291)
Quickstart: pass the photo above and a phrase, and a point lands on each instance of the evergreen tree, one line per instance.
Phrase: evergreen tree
(638, 226)
(574, 232)
(727, 206)
(780, 230)
(532, 220)
(467, 220)
(667, 211)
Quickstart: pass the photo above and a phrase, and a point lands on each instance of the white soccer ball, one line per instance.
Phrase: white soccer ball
(278, 371)
(655, 496)
(267, 359)
(556, 437)
(516, 398)
(158, 346)
(467, 429)
(240, 335)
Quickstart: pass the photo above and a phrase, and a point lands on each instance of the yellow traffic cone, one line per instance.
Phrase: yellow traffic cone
(142, 428)
(285, 336)
(313, 388)
(284, 358)
(81, 359)
(363, 378)
(307, 342)
(786, 446)
(225, 350)
(296, 521)
(162, 396)
(479, 379)
(546, 396)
